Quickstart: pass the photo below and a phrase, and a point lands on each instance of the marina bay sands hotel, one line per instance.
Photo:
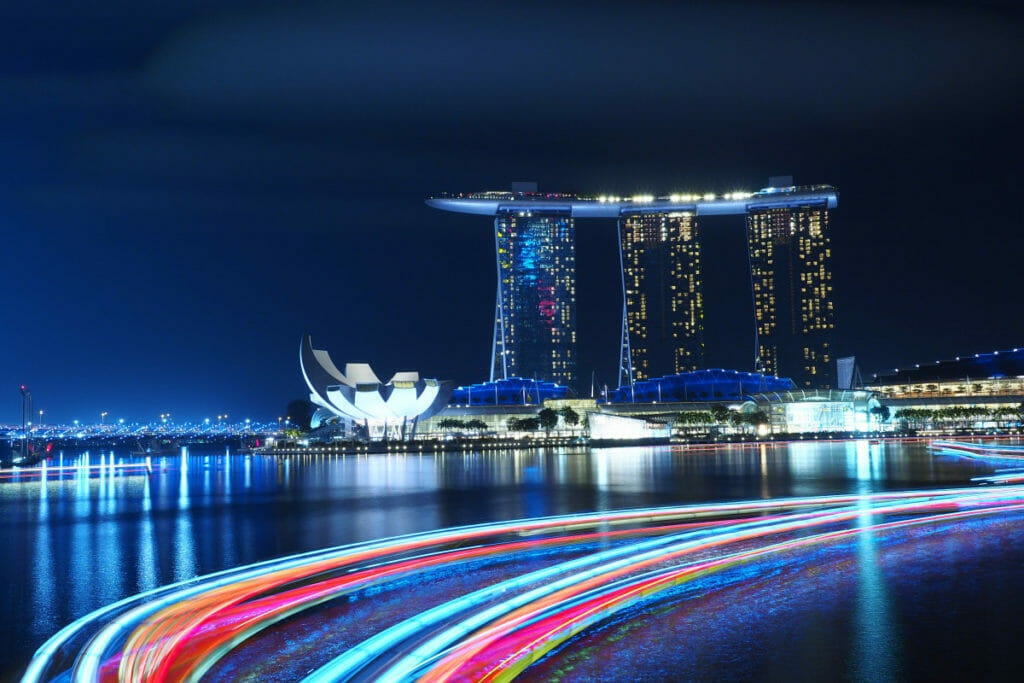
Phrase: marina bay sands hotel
(788, 249)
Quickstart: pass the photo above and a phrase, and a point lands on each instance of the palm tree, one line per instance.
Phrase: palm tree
(450, 423)
(529, 424)
(569, 416)
(547, 418)
(720, 413)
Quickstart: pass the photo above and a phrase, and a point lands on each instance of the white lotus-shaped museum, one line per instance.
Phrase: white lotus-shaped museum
(387, 409)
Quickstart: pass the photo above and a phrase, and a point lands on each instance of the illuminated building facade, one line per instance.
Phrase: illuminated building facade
(535, 314)
(660, 259)
(791, 280)
(508, 392)
(980, 378)
(819, 411)
(663, 315)
(699, 386)
(385, 410)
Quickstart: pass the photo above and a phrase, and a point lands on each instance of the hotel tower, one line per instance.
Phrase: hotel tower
(791, 280)
(662, 308)
(535, 314)
(660, 257)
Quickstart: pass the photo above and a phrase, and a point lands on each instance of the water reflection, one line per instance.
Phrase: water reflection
(94, 536)
(147, 564)
(184, 556)
(875, 631)
(226, 481)
(812, 460)
(762, 453)
(44, 620)
(82, 555)
(183, 481)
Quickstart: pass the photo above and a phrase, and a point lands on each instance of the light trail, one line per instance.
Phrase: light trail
(511, 648)
(991, 452)
(103, 627)
(995, 454)
(547, 580)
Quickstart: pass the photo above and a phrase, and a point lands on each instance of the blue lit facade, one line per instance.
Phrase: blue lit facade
(981, 380)
(512, 391)
(535, 314)
(701, 385)
(996, 365)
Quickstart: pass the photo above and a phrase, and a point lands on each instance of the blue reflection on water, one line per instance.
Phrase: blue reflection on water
(875, 630)
(44, 621)
(147, 564)
(88, 538)
(184, 552)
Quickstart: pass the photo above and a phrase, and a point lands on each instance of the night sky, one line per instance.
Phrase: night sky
(188, 187)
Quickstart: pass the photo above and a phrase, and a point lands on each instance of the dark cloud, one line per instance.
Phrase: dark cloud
(687, 62)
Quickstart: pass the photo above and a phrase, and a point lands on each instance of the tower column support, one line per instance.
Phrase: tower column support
(625, 354)
(499, 363)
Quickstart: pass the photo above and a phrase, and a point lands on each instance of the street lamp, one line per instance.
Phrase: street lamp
(40, 423)
(103, 416)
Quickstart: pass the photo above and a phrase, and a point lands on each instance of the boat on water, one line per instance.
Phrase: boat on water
(980, 450)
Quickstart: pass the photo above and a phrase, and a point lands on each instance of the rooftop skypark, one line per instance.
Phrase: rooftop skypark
(738, 202)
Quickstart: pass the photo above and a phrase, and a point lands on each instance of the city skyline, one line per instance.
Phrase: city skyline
(191, 187)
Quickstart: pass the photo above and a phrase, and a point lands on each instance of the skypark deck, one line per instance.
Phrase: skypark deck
(732, 203)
